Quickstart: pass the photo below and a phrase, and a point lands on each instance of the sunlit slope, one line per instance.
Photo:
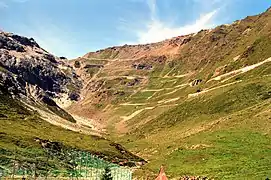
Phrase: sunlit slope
(200, 104)
(25, 137)
(126, 86)
(224, 133)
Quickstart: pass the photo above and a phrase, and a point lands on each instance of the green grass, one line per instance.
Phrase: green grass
(92, 71)
(215, 104)
(233, 122)
(222, 134)
(234, 153)
(20, 127)
(98, 62)
(231, 140)
(238, 148)
(141, 97)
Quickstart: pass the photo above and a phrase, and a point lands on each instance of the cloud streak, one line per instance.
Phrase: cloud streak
(152, 7)
(156, 30)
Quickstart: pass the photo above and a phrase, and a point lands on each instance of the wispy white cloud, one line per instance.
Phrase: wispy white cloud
(158, 31)
(152, 7)
(155, 30)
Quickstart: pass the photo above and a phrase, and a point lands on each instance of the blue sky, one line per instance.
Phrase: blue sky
(72, 28)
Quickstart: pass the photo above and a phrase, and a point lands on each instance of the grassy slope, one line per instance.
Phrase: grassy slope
(225, 133)
(19, 128)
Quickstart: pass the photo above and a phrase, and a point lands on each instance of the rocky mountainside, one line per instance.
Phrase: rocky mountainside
(31, 66)
(167, 47)
(199, 103)
(34, 84)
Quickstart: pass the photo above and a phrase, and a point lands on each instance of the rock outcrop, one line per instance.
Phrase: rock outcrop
(23, 62)
(29, 72)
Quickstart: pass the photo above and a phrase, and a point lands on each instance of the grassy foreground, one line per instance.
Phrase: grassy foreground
(223, 134)
(22, 133)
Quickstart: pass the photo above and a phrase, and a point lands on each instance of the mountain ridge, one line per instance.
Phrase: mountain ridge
(201, 88)
(170, 41)
(148, 62)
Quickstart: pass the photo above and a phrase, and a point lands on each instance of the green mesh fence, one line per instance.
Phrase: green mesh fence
(81, 165)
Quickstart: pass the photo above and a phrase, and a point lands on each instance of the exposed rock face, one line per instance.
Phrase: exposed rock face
(134, 82)
(142, 66)
(11, 84)
(24, 62)
(35, 71)
(74, 96)
(195, 82)
(7, 43)
(28, 71)
(166, 47)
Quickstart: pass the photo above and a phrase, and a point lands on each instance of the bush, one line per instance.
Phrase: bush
(77, 64)
(107, 174)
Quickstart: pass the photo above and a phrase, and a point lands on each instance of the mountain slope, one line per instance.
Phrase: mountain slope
(195, 103)
(157, 74)
(199, 104)
(32, 82)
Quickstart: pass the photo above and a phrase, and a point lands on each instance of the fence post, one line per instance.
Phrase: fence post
(35, 167)
(86, 165)
(14, 164)
(47, 161)
(2, 173)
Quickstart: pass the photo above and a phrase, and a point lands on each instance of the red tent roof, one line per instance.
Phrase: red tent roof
(162, 174)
